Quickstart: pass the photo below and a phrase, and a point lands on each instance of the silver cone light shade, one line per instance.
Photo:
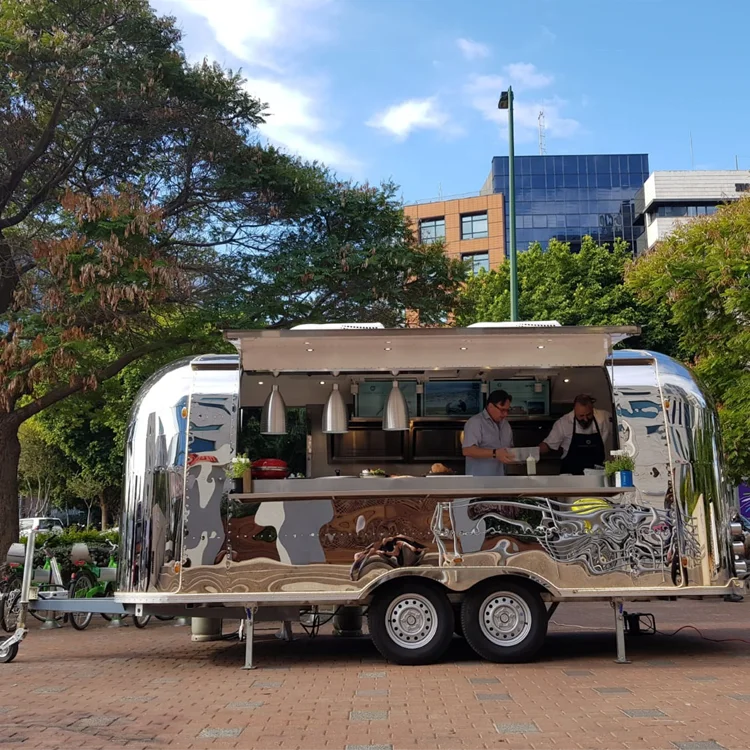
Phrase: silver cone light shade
(396, 411)
(334, 413)
(273, 416)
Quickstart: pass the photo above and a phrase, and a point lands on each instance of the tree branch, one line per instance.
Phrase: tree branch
(58, 394)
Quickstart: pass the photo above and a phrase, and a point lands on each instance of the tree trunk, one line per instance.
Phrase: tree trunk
(88, 515)
(103, 506)
(10, 452)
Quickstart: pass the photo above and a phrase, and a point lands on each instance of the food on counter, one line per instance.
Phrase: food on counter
(440, 469)
(372, 473)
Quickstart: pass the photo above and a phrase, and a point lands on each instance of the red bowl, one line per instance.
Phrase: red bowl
(270, 468)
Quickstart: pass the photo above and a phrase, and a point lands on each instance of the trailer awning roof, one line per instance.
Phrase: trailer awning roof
(425, 349)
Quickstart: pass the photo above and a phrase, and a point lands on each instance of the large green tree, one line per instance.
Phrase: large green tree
(574, 288)
(139, 212)
(701, 273)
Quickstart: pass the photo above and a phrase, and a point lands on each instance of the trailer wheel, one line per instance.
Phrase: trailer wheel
(8, 653)
(411, 622)
(504, 621)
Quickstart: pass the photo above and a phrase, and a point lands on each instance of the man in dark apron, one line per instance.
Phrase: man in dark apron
(580, 435)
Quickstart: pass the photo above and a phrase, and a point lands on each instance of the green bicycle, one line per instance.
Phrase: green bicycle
(91, 581)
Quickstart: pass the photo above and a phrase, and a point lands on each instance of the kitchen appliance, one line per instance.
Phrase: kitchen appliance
(270, 468)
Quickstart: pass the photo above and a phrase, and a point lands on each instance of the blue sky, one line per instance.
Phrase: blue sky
(407, 89)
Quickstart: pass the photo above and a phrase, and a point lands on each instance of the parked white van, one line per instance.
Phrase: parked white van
(43, 525)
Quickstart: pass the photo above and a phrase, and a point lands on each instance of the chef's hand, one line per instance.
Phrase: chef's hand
(504, 456)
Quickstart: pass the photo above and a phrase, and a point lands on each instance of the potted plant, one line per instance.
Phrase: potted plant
(619, 470)
(237, 469)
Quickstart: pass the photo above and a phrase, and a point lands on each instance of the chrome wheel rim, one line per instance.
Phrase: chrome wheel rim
(505, 619)
(411, 621)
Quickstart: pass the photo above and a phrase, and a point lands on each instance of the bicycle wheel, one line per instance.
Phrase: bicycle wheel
(78, 590)
(10, 606)
(141, 622)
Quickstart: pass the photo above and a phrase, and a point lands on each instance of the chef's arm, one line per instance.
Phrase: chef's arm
(544, 448)
(474, 451)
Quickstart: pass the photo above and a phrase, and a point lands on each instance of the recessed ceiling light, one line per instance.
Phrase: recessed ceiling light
(387, 348)
(541, 346)
(260, 382)
(322, 382)
(566, 380)
(310, 350)
(464, 348)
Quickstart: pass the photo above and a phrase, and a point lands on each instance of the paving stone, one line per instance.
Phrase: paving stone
(743, 697)
(612, 691)
(659, 663)
(216, 734)
(48, 690)
(96, 721)
(245, 704)
(578, 672)
(368, 715)
(165, 681)
(369, 747)
(493, 697)
(484, 681)
(262, 684)
(703, 745)
(644, 713)
(372, 675)
(516, 728)
(703, 679)
(137, 699)
(372, 693)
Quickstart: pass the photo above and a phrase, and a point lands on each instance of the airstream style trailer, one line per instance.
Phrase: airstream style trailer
(379, 513)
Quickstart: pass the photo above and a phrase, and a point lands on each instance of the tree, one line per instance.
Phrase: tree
(701, 274)
(139, 212)
(42, 470)
(583, 288)
(88, 490)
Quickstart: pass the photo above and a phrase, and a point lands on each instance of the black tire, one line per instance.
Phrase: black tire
(141, 622)
(8, 654)
(82, 583)
(411, 622)
(518, 628)
(164, 618)
(11, 609)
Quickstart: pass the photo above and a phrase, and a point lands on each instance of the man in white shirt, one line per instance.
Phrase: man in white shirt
(583, 434)
(487, 436)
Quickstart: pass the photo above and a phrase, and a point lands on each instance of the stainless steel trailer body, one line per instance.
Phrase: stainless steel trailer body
(424, 550)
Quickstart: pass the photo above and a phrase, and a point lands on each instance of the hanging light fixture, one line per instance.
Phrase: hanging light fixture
(334, 413)
(396, 411)
(273, 416)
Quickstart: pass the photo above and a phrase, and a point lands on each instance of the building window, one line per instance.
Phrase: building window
(477, 262)
(432, 229)
(474, 226)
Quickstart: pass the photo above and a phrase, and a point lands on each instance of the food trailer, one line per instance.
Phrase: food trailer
(379, 513)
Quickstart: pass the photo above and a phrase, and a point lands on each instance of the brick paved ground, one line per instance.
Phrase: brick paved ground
(126, 688)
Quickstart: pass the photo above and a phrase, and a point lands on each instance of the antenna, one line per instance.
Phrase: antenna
(542, 134)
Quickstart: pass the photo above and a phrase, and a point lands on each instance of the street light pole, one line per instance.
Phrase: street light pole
(506, 102)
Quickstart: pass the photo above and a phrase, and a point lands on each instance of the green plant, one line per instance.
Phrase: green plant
(619, 463)
(240, 464)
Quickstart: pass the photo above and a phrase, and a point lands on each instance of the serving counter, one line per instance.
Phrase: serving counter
(432, 486)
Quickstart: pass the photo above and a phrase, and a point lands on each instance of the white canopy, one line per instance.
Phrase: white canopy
(425, 349)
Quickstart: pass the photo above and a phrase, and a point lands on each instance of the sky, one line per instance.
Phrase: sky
(407, 90)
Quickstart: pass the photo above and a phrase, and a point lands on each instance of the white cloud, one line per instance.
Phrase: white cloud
(269, 38)
(527, 76)
(472, 50)
(484, 92)
(293, 121)
(413, 114)
(261, 32)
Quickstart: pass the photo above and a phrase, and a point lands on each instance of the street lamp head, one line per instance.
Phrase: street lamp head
(503, 103)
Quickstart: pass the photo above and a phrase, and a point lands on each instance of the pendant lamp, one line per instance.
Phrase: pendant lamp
(334, 413)
(396, 411)
(273, 416)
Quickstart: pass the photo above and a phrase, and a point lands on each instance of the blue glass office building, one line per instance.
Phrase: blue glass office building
(568, 197)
